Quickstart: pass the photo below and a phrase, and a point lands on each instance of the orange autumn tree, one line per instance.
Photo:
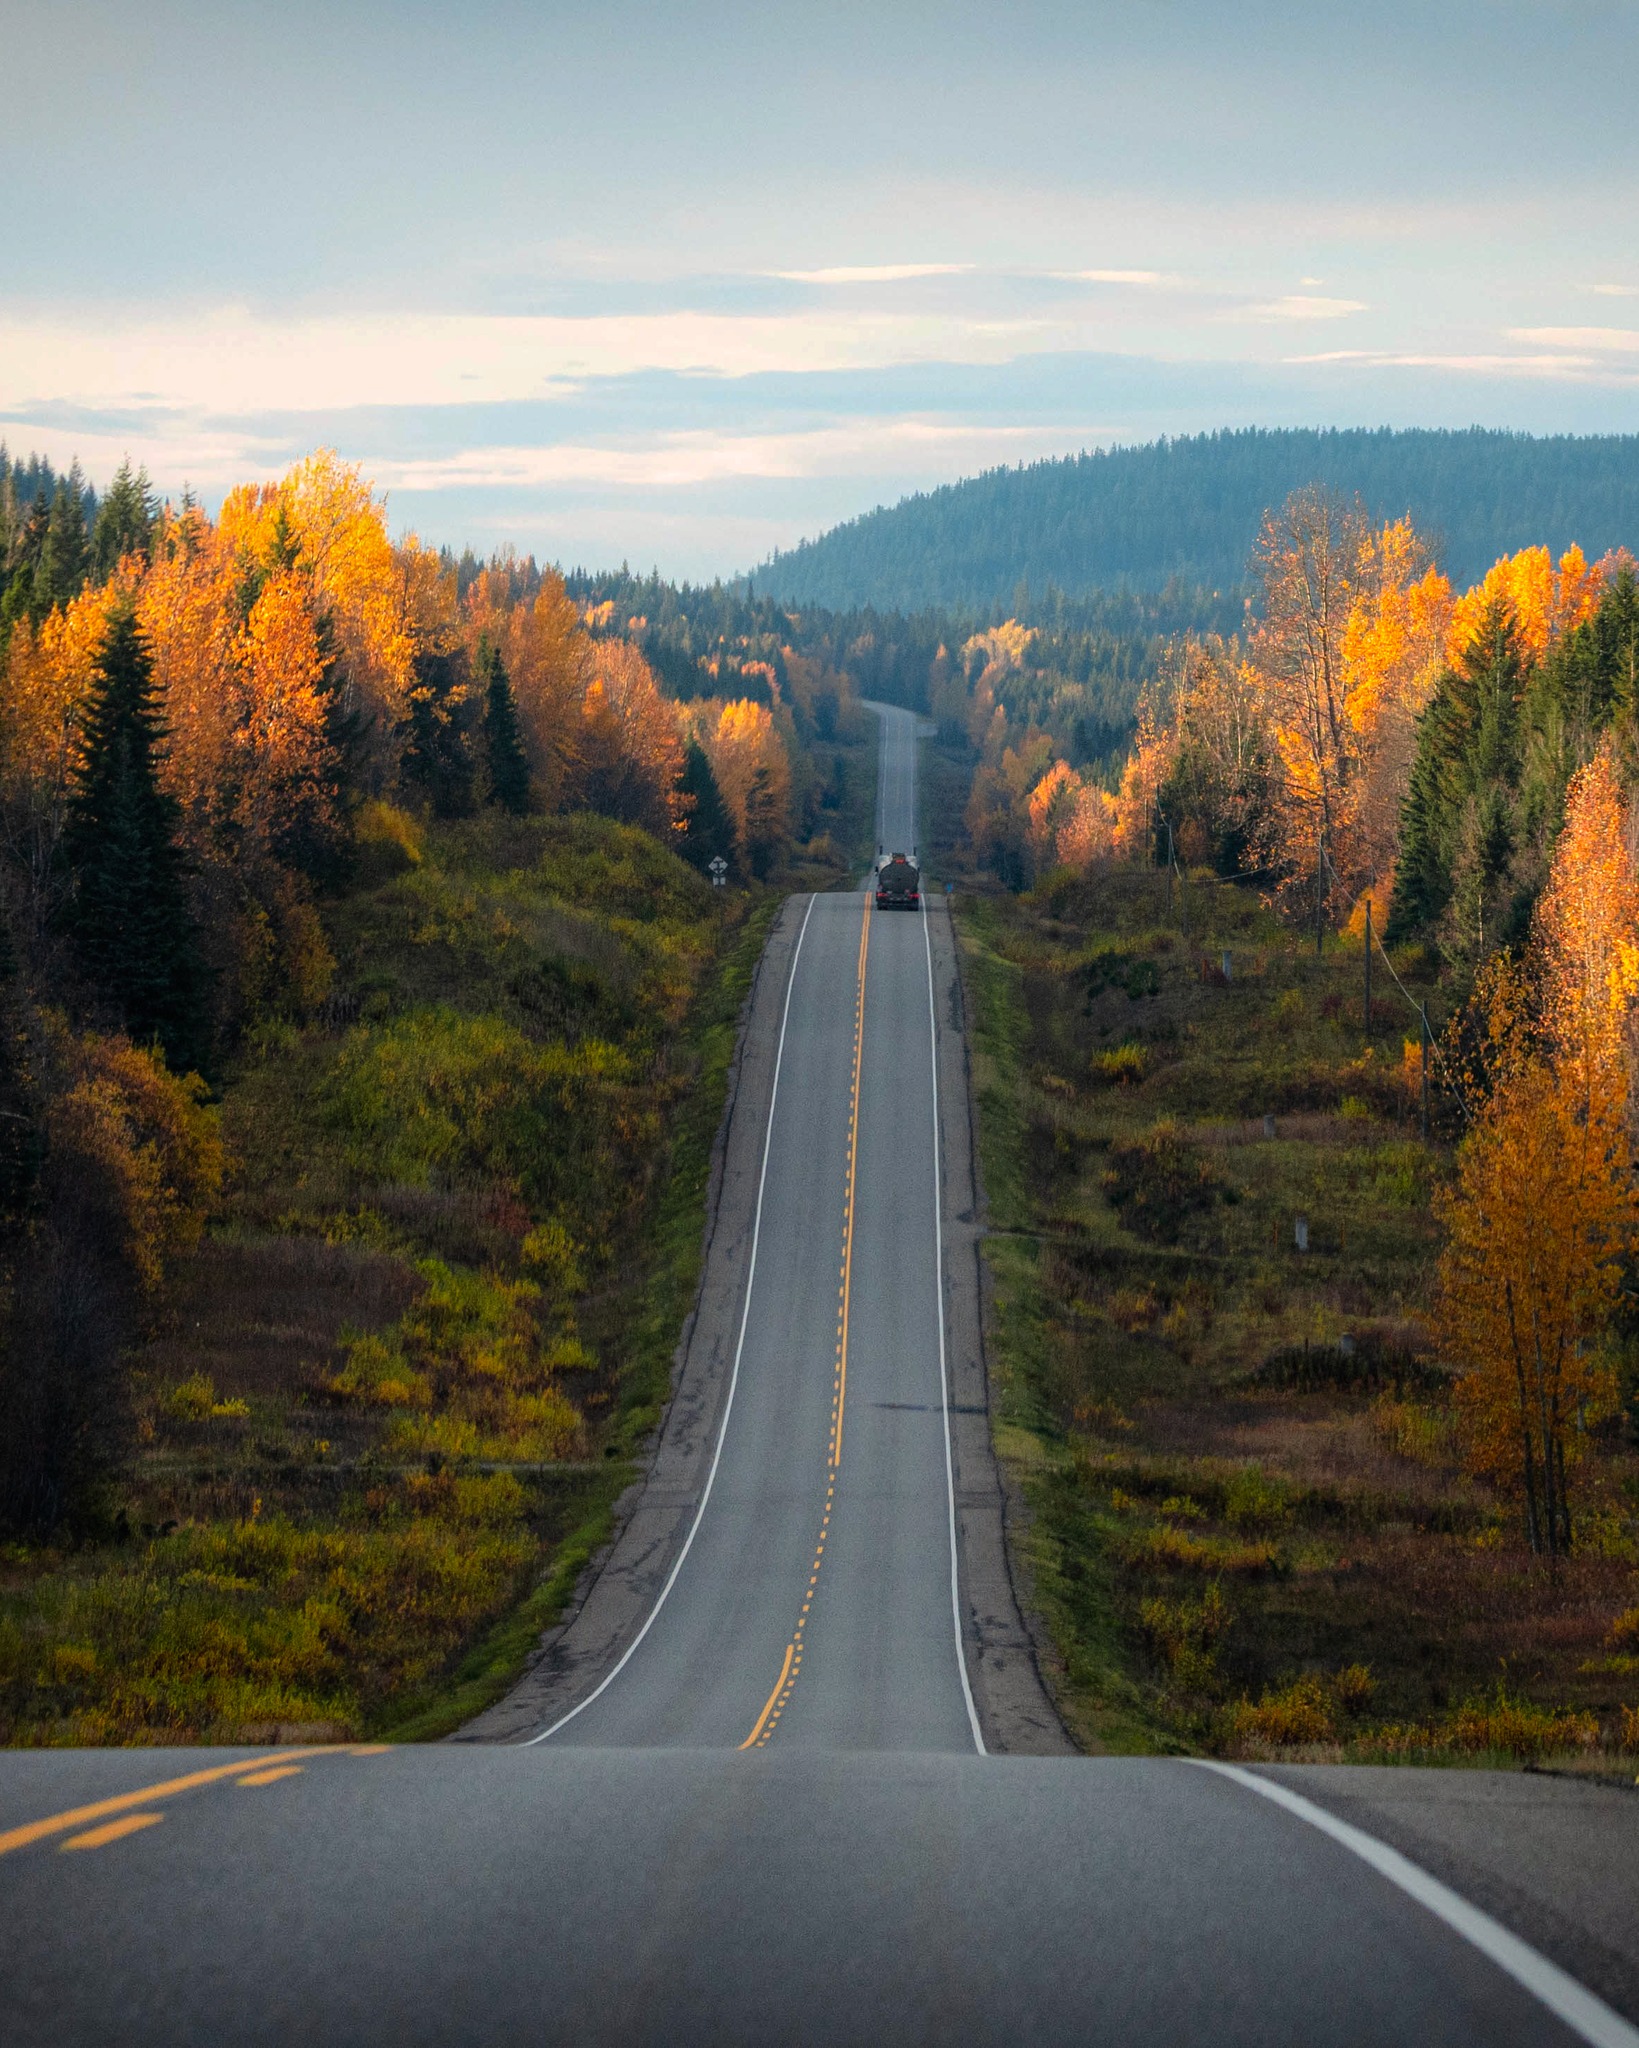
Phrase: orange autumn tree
(1071, 821)
(752, 770)
(548, 658)
(1345, 653)
(1544, 1211)
(1545, 601)
(629, 752)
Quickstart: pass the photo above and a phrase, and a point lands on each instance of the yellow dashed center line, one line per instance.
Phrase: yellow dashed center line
(111, 1831)
(768, 1719)
(250, 1770)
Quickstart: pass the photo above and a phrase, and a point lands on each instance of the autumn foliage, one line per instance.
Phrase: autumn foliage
(1545, 1208)
(304, 662)
(212, 731)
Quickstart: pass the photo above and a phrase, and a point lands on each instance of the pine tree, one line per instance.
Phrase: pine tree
(1464, 779)
(27, 547)
(66, 553)
(764, 813)
(508, 763)
(125, 520)
(436, 754)
(133, 934)
(709, 834)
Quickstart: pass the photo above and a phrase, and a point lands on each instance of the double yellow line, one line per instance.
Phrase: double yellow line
(791, 1668)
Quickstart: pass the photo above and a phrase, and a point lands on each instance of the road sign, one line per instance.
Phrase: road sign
(717, 868)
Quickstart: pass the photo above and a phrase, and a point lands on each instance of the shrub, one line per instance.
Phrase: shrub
(194, 1400)
(1187, 1633)
(1282, 1720)
(1500, 1725)
(1427, 1436)
(389, 841)
(1179, 1550)
(1623, 1633)
(1353, 1687)
(1253, 1501)
(1159, 1181)
(1122, 1067)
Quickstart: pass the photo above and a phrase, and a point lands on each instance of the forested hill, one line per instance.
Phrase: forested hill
(1190, 509)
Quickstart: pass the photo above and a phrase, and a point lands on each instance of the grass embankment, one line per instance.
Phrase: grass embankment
(1251, 1529)
(386, 1411)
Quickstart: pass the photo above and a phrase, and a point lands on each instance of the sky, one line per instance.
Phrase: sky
(680, 285)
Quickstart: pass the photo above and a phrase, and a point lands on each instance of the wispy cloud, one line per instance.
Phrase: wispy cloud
(1297, 306)
(1616, 291)
(1569, 366)
(1139, 277)
(872, 273)
(1616, 340)
(851, 447)
(233, 362)
(174, 452)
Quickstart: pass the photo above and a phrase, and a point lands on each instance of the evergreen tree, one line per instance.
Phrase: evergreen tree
(65, 554)
(1459, 805)
(437, 757)
(125, 520)
(709, 834)
(27, 549)
(763, 820)
(503, 746)
(129, 914)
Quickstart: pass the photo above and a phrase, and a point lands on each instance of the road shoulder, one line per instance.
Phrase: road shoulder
(1553, 1859)
(1016, 1712)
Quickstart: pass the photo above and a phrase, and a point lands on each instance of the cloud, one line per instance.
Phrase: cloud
(872, 273)
(1115, 277)
(236, 363)
(1616, 291)
(174, 452)
(1617, 340)
(1297, 306)
(846, 448)
(1474, 365)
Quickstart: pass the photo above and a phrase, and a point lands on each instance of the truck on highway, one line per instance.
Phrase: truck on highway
(899, 884)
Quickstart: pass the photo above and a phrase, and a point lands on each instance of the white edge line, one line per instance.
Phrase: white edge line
(734, 1376)
(944, 1372)
(1588, 2017)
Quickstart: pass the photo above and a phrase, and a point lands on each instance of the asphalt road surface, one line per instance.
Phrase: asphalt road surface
(770, 1818)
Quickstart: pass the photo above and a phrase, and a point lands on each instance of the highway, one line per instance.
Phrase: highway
(750, 1791)
(814, 1607)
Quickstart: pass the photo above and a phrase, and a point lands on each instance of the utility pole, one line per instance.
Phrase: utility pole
(1423, 1012)
(1368, 1012)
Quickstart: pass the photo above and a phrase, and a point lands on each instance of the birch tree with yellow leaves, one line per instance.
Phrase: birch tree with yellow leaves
(1543, 1211)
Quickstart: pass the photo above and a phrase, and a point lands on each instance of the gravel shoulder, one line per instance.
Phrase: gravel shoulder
(1554, 1859)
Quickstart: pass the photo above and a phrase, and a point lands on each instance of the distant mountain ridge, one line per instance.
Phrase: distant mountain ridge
(1189, 509)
